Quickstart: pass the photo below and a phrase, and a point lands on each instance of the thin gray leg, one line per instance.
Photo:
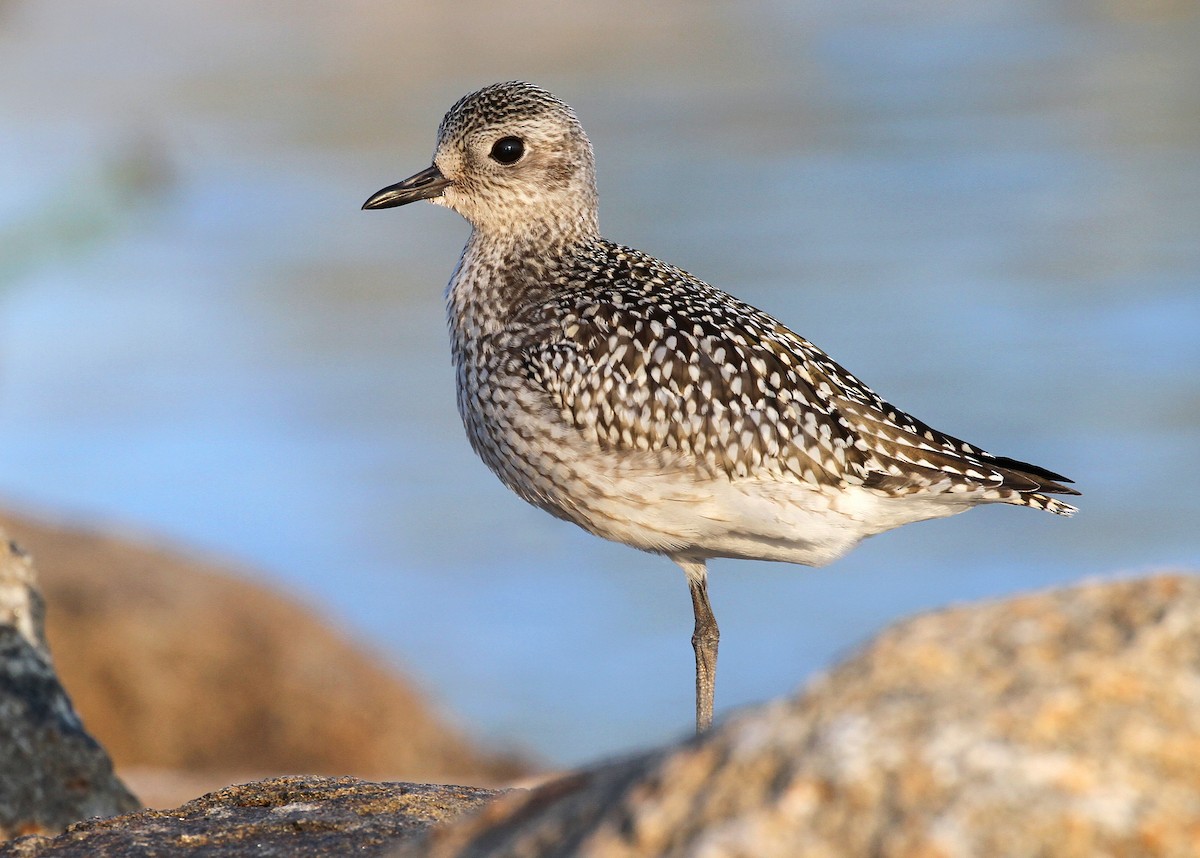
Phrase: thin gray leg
(705, 639)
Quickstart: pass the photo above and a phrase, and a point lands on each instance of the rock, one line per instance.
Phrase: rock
(175, 664)
(291, 817)
(1065, 723)
(52, 772)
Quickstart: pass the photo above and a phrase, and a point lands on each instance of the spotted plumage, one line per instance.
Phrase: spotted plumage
(625, 395)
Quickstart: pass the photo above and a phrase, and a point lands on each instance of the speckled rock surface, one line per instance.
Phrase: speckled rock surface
(52, 772)
(296, 817)
(1062, 724)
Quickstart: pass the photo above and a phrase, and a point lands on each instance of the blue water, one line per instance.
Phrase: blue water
(988, 211)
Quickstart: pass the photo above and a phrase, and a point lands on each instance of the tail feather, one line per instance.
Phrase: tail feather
(1050, 481)
(1037, 500)
(910, 457)
(1019, 475)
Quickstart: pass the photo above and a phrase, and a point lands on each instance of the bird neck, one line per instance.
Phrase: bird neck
(535, 229)
(502, 273)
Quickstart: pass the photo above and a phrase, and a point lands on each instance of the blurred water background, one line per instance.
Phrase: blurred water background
(989, 211)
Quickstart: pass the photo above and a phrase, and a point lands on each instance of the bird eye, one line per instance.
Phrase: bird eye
(508, 150)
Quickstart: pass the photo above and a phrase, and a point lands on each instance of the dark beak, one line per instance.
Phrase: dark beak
(423, 186)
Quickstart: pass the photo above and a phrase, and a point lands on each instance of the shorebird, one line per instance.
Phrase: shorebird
(623, 394)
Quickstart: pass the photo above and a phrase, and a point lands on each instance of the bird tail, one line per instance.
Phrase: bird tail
(1037, 500)
(1032, 485)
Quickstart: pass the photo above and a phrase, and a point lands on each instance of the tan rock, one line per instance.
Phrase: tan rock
(174, 663)
(1059, 724)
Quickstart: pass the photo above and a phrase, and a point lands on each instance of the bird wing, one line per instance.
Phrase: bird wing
(661, 361)
(630, 379)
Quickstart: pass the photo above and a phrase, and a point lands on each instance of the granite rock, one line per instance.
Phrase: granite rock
(52, 772)
(289, 817)
(1061, 724)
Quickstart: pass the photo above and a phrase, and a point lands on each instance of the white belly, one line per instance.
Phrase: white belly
(671, 507)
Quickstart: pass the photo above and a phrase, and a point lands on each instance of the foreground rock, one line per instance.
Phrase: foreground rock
(51, 771)
(1064, 724)
(296, 817)
(177, 665)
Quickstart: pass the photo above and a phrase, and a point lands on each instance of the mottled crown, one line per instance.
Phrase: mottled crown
(551, 189)
(499, 103)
